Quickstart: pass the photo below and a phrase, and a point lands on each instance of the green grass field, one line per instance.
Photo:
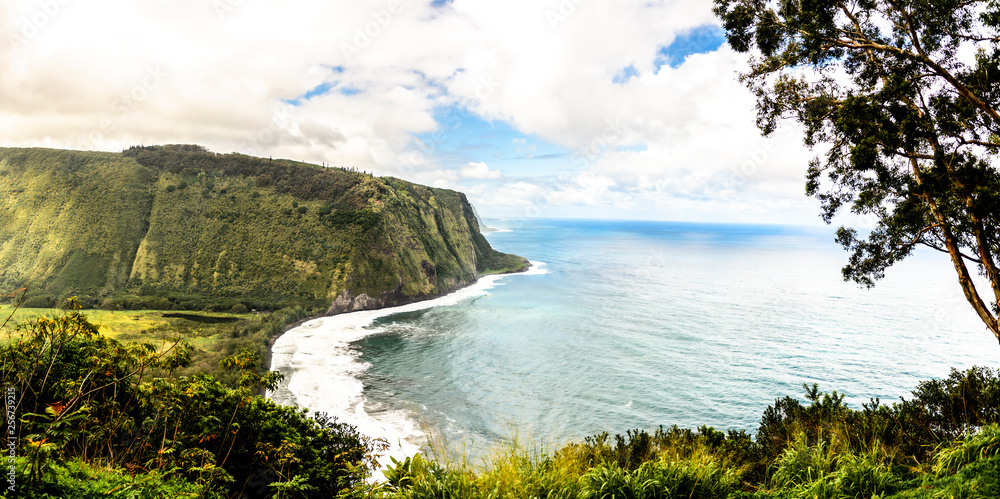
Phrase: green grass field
(135, 325)
(214, 335)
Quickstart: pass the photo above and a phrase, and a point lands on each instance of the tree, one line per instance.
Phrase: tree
(904, 94)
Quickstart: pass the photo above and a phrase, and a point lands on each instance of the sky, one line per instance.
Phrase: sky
(534, 108)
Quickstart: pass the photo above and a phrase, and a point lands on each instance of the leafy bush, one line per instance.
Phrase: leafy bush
(801, 464)
(787, 419)
(656, 480)
(418, 477)
(90, 398)
(977, 480)
(959, 404)
(821, 471)
(39, 301)
(940, 410)
(864, 475)
(75, 479)
(819, 450)
(983, 445)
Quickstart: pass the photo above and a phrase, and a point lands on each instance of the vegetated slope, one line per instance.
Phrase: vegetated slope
(181, 227)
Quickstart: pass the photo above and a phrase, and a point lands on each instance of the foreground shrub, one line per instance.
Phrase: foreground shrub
(864, 475)
(418, 477)
(822, 472)
(940, 411)
(81, 396)
(821, 449)
(517, 472)
(75, 479)
(980, 446)
(801, 464)
(656, 480)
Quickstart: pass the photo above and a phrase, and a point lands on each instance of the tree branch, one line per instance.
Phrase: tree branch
(917, 238)
(963, 141)
(944, 250)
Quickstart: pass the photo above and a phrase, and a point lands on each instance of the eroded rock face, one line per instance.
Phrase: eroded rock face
(347, 302)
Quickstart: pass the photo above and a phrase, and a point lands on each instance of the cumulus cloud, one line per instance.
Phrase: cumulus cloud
(478, 171)
(354, 83)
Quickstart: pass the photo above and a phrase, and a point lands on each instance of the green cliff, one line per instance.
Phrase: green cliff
(181, 227)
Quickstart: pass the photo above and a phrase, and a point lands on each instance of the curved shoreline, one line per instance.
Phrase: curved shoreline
(270, 343)
(321, 371)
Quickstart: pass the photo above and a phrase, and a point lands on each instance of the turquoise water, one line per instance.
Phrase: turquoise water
(632, 325)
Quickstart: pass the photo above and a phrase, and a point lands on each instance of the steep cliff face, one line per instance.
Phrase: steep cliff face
(193, 228)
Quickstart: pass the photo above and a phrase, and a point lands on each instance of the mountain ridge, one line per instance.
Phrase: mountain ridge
(180, 227)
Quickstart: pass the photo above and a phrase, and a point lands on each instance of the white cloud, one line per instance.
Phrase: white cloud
(478, 171)
(81, 79)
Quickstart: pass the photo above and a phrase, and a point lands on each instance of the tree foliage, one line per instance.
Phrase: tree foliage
(78, 396)
(942, 443)
(905, 95)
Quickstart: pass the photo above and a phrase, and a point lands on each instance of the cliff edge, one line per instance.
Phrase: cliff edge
(179, 227)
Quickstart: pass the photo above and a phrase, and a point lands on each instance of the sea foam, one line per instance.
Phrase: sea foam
(322, 370)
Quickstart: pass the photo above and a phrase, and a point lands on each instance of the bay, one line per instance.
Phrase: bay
(625, 325)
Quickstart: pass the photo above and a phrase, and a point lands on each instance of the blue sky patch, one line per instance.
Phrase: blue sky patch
(463, 137)
(700, 40)
(320, 89)
(626, 74)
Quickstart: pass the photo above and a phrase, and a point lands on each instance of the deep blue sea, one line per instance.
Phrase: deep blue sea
(624, 325)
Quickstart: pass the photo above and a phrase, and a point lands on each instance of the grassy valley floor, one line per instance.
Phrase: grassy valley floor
(211, 335)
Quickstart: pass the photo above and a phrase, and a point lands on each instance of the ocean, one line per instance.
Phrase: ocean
(632, 325)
